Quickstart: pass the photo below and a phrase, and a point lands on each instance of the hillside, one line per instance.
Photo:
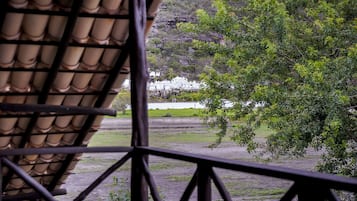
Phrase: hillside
(169, 50)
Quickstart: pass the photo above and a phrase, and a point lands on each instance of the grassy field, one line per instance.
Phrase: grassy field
(169, 172)
(115, 138)
(120, 138)
(189, 112)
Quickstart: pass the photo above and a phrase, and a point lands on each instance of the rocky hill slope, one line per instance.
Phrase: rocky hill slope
(169, 50)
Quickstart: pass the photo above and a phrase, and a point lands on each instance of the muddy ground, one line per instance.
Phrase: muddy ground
(172, 176)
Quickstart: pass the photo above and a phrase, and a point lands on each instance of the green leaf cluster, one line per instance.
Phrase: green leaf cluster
(290, 64)
(122, 101)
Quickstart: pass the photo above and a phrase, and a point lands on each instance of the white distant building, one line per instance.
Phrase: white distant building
(178, 83)
(153, 74)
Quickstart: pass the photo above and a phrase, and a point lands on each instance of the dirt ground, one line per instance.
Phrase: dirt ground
(172, 176)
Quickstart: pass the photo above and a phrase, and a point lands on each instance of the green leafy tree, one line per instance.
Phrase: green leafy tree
(121, 101)
(290, 64)
(170, 74)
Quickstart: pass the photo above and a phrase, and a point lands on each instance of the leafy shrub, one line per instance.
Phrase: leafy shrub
(167, 115)
(123, 192)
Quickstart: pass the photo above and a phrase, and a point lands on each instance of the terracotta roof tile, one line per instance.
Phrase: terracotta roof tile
(77, 79)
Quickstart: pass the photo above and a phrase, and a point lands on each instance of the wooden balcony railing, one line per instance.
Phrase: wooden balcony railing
(307, 185)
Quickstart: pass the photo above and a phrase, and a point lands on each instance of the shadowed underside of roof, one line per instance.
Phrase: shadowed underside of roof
(70, 56)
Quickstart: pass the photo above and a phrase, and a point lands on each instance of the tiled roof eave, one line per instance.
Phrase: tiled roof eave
(73, 60)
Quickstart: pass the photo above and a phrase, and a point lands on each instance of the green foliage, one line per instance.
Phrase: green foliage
(290, 64)
(167, 115)
(187, 96)
(123, 192)
(121, 101)
(170, 74)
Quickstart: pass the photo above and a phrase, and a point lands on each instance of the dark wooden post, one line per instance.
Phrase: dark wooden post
(204, 183)
(1, 171)
(139, 77)
(309, 191)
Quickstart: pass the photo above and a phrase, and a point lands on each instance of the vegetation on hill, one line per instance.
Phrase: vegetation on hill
(169, 50)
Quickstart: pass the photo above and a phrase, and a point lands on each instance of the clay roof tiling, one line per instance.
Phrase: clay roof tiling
(54, 54)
